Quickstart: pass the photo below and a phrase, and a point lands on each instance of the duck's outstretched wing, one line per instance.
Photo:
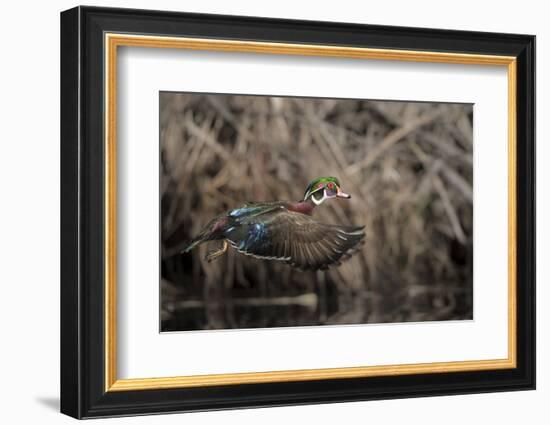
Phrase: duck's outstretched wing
(294, 238)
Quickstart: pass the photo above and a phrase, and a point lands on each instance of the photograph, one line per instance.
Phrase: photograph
(293, 211)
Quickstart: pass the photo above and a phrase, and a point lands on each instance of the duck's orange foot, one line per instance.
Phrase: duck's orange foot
(212, 255)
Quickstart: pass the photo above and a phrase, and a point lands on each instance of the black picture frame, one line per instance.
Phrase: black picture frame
(83, 392)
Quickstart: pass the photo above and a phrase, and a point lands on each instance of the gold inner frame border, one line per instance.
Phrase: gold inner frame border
(113, 40)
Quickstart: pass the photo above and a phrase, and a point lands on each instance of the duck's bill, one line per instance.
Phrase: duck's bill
(341, 194)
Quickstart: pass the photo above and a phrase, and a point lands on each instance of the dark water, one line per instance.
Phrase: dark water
(299, 299)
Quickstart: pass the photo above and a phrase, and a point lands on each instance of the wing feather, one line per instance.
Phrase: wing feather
(297, 239)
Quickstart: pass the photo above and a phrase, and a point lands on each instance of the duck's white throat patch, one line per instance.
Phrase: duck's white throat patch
(318, 201)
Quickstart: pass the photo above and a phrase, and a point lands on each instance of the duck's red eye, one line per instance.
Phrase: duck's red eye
(330, 185)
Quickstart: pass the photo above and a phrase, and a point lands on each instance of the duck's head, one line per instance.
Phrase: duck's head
(324, 188)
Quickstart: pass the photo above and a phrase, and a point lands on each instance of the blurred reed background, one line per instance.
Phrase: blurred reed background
(407, 165)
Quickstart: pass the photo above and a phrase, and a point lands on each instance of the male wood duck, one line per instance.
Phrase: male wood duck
(285, 231)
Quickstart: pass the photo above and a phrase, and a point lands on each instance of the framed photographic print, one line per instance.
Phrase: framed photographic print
(261, 212)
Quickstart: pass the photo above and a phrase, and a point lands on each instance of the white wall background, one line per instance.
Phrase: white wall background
(29, 225)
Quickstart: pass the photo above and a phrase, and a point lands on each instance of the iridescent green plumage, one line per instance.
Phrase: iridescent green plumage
(285, 231)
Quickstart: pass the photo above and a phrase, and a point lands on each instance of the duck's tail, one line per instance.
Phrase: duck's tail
(208, 233)
(197, 241)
